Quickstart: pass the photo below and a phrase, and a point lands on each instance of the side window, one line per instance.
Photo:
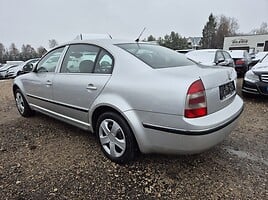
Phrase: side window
(226, 55)
(104, 63)
(80, 58)
(50, 61)
(219, 56)
(247, 56)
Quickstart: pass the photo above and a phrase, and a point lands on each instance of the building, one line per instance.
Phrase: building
(251, 43)
(194, 42)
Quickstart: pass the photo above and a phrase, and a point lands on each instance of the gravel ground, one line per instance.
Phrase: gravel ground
(42, 158)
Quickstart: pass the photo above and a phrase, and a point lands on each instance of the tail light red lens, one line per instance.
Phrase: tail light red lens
(240, 62)
(196, 104)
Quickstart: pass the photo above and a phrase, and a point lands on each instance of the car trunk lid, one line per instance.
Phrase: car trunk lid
(217, 81)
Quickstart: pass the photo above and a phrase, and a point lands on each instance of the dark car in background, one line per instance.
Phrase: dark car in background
(242, 61)
(258, 56)
(256, 79)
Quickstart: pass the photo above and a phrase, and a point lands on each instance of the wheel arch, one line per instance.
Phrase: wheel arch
(14, 88)
(102, 109)
(107, 108)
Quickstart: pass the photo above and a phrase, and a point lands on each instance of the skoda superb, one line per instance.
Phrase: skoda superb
(134, 96)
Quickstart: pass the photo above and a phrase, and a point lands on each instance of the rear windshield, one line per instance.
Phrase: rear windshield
(201, 56)
(156, 56)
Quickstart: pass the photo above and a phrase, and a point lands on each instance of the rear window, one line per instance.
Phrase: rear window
(156, 56)
(201, 56)
(237, 54)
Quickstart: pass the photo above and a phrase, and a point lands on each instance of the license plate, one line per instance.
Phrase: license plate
(227, 90)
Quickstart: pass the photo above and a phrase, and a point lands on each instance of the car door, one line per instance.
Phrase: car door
(84, 72)
(39, 83)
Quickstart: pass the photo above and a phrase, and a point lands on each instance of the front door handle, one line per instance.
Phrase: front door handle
(91, 87)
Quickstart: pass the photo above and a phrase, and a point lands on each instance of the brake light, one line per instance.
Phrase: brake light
(196, 104)
(240, 62)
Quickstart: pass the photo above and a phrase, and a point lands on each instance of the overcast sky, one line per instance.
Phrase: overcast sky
(36, 21)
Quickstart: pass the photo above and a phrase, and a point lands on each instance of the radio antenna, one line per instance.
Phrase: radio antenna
(138, 39)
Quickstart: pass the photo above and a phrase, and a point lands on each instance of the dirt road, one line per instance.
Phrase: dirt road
(42, 158)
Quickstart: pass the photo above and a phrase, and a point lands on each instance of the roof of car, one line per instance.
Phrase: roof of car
(102, 42)
(212, 50)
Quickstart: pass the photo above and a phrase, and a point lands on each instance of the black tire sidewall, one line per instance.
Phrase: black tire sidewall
(27, 110)
(130, 150)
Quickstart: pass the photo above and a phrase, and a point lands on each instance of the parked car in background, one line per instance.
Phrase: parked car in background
(211, 57)
(256, 79)
(258, 56)
(4, 69)
(15, 71)
(133, 96)
(242, 61)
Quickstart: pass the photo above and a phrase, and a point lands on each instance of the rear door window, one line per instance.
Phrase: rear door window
(80, 58)
(104, 64)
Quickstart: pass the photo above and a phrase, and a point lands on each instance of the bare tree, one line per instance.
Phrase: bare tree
(226, 26)
(262, 30)
(52, 43)
(13, 52)
(41, 51)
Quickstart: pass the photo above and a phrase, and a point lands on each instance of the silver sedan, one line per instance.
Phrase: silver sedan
(134, 96)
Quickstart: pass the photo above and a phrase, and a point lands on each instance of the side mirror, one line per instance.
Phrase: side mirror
(27, 68)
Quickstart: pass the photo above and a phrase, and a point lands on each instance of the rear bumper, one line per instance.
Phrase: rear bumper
(191, 132)
(178, 135)
(241, 69)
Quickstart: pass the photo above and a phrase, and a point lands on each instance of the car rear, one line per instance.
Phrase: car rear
(241, 61)
(183, 109)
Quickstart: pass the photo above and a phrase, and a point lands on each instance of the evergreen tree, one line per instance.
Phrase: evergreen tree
(209, 33)
(173, 41)
(2, 53)
(151, 38)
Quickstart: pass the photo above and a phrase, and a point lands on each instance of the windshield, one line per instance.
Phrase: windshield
(156, 56)
(202, 56)
(265, 59)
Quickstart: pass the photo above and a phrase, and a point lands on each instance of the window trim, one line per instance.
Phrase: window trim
(97, 58)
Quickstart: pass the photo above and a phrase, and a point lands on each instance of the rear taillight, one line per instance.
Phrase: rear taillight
(196, 104)
(240, 62)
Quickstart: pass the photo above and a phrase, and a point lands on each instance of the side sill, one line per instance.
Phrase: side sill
(60, 116)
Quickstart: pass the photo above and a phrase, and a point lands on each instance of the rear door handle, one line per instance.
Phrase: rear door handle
(48, 83)
(91, 87)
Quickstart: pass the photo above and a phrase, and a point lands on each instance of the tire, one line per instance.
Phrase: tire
(120, 145)
(22, 105)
